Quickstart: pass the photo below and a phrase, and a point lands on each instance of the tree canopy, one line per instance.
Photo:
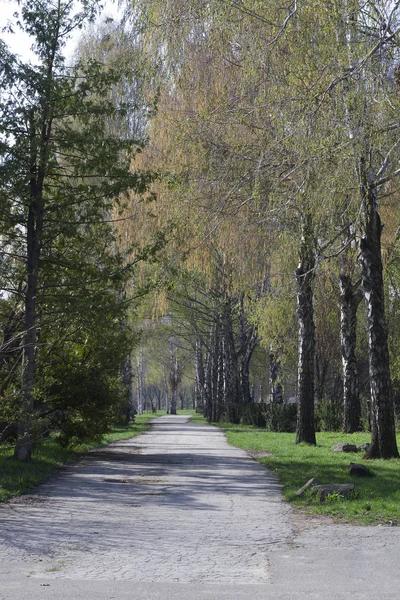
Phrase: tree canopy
(268, 241)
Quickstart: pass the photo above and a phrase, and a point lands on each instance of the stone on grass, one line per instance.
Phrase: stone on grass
(364, 447)
(310, 483)
(344, 448)
(358, 470)
(343, 489)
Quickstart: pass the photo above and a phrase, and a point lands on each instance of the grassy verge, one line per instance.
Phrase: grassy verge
(195, 417)
(377, 499)
(21, 478)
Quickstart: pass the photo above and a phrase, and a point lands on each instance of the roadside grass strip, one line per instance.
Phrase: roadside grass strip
(18, 478)
(376, 500)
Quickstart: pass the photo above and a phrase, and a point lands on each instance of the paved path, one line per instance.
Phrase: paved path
(177, 514)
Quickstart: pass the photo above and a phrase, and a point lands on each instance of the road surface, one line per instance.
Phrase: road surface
(178, 514)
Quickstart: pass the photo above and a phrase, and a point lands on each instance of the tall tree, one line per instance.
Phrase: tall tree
(305, 276)
(350, 298)
(60, 173)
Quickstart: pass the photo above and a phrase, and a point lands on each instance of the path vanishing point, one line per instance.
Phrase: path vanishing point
(178, 514)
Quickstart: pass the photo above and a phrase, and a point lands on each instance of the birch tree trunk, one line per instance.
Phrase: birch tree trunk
(166, 393)
(128, 380)
(383, 440)
(349, 301)
(208, 387)
(230, 371)
(174, 377)
(214, 374)
(249, 340)
(140, 381)
(220, 384)
(305, 275)
(199, 390)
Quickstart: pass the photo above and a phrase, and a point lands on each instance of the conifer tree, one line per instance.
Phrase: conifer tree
(61, 171)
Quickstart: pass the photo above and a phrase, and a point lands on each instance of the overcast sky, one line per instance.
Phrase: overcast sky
(20, 43)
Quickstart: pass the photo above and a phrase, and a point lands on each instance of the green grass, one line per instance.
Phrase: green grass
(18, 478)
(377, 499)
(195, 417)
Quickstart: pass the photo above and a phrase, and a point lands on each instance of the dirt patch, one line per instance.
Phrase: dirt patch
(303, 522)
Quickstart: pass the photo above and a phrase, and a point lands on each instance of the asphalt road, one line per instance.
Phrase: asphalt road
(178, 514)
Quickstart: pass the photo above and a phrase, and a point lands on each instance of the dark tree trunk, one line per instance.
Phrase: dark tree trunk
(249, 342)
(166, 393)
(208, 385)
(229, 355)
(34, 233)
(212, 376)
(199, 389)
(140, 381)
(246, 396)
(220, 383)
(349, 301)
(305, 431)
(128, 383)
(383, 435)
(275, 384)
(174, 377)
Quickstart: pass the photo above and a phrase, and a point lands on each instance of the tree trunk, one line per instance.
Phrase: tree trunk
(166, 393)
(349, 301)
(245, 389)
(140, 381)
(174, 377)
(305, 274)
(200, 378)
(34, 233)
(230, 371)
(128, 383)
(208, 386)
(249, 341)
(383, 435)
(275, 385)
(199, 388)
(219, 395)
(214, 379)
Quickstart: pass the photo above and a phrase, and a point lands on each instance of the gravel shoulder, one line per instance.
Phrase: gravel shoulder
(178, 513)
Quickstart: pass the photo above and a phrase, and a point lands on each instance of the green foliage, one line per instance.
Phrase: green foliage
(275, 315)
(86, 406)
(281, 417)
(273, 417)
(328, 415)
(67, 151)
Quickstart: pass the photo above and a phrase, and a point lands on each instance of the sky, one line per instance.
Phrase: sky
(20, 43)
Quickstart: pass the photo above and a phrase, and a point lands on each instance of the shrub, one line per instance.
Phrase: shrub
(273, 417)
(281, 417)
(253, 414)
(328, 415)
(231, 413)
